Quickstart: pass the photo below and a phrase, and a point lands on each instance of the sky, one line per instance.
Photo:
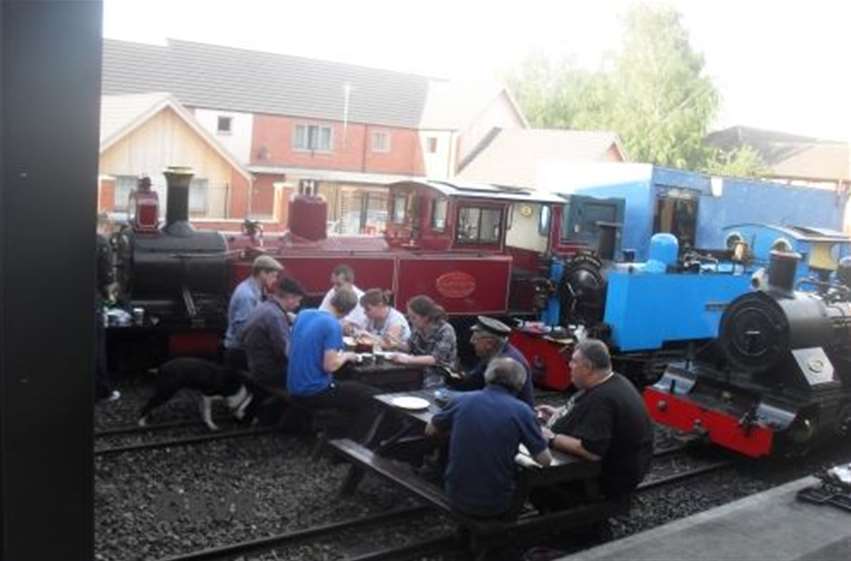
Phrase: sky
(780, 65)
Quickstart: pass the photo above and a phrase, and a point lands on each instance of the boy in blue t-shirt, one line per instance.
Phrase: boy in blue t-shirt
(316, 352)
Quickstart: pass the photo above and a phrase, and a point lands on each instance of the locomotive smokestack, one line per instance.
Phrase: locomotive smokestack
(781, 270)
(177, 201)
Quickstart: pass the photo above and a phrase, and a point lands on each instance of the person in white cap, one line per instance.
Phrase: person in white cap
(246, 296)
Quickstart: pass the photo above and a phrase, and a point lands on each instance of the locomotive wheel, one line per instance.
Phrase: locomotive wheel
(582, 290)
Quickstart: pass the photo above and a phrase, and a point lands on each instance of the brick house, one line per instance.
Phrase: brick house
(300, 124)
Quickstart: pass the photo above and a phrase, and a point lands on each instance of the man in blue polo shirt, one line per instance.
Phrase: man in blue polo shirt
(485, 429)
(490, 340)
(316, 352)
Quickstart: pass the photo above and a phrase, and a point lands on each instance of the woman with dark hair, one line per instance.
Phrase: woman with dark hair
(433, 341)
(385, 324)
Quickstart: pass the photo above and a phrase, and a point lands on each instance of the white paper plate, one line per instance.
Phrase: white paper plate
(410, 403)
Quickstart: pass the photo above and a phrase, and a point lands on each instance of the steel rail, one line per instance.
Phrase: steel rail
(442, 544)
(133, 429)
(677, 477)
(182, 441)
(271, 542)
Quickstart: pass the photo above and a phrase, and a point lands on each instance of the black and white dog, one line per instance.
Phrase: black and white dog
(210, 379)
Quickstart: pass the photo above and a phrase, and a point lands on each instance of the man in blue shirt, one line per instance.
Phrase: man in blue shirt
(246, 296)
(490, 341)
(485, 429)
(316, 352)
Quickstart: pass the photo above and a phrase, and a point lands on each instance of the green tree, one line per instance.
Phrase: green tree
(744, 161)
(654, 92)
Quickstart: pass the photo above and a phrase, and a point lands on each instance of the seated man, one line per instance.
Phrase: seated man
(485, 429)
(490, 340)
(266, 335)
(245, 297)
(604, 420)
(316, 352)
(344, 277)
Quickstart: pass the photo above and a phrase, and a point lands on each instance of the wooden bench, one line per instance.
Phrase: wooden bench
(321, 422)
(484, 534)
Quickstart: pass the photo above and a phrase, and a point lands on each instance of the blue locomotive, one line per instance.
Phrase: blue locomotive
(664, 299)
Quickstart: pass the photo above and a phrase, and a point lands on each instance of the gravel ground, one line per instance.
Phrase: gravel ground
(163, 502)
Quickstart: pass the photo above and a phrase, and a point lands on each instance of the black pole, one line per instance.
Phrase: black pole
(51, 59)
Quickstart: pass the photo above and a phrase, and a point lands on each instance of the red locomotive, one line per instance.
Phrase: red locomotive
(474, 248)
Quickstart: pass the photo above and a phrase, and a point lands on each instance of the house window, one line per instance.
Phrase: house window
(224, 125)
(312, 137)
(432, 144)
(438, 214)
(479, 225)
(124, 185)
(380, 141)
(198, 196)
(400, 205)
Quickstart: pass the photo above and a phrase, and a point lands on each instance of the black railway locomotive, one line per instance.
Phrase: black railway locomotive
(779, 378)
(178, 275)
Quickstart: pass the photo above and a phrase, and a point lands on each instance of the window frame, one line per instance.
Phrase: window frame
(479, 241)
(393, 207)
(308, 148)
(372, 143)
(198, 183)
(433, 221)
(219, 120)
(119, 180)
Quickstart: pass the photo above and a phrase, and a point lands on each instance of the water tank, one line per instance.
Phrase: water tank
(308, 217)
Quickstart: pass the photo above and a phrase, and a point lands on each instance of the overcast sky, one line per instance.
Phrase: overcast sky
(779, 64)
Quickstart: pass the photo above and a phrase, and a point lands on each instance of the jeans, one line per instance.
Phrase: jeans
(353, 399)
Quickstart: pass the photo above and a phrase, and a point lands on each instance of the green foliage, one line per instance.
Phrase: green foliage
(653, 92)
(744, 161)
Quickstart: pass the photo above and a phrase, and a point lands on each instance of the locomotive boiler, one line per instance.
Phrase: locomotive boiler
(178, 275)
(779, 380)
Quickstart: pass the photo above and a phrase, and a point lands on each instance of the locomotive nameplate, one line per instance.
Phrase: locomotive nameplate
(715, 306)
(455, 284)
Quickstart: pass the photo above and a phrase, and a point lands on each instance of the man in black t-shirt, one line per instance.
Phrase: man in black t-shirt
(605, 420)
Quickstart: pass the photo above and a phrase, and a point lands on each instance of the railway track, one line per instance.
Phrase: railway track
(130, 429)
(684, 475)
(224, 435)
(426, 547)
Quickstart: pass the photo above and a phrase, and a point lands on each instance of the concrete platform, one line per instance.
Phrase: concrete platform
(770, 525)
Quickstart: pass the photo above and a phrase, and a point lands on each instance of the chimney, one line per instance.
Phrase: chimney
(177, 179)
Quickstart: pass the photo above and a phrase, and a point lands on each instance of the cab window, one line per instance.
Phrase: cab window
(438, 214)
(479, 225)
(399, 210)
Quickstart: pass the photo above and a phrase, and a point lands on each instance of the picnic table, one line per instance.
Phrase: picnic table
(380, 456)
(383, 374)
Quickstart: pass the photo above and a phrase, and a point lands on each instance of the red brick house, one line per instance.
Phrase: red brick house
(297, 124)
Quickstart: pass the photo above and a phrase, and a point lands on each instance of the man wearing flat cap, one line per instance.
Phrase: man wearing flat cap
(490, 340)
(246, 296)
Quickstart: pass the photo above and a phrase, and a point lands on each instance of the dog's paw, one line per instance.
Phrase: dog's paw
(213, 427)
